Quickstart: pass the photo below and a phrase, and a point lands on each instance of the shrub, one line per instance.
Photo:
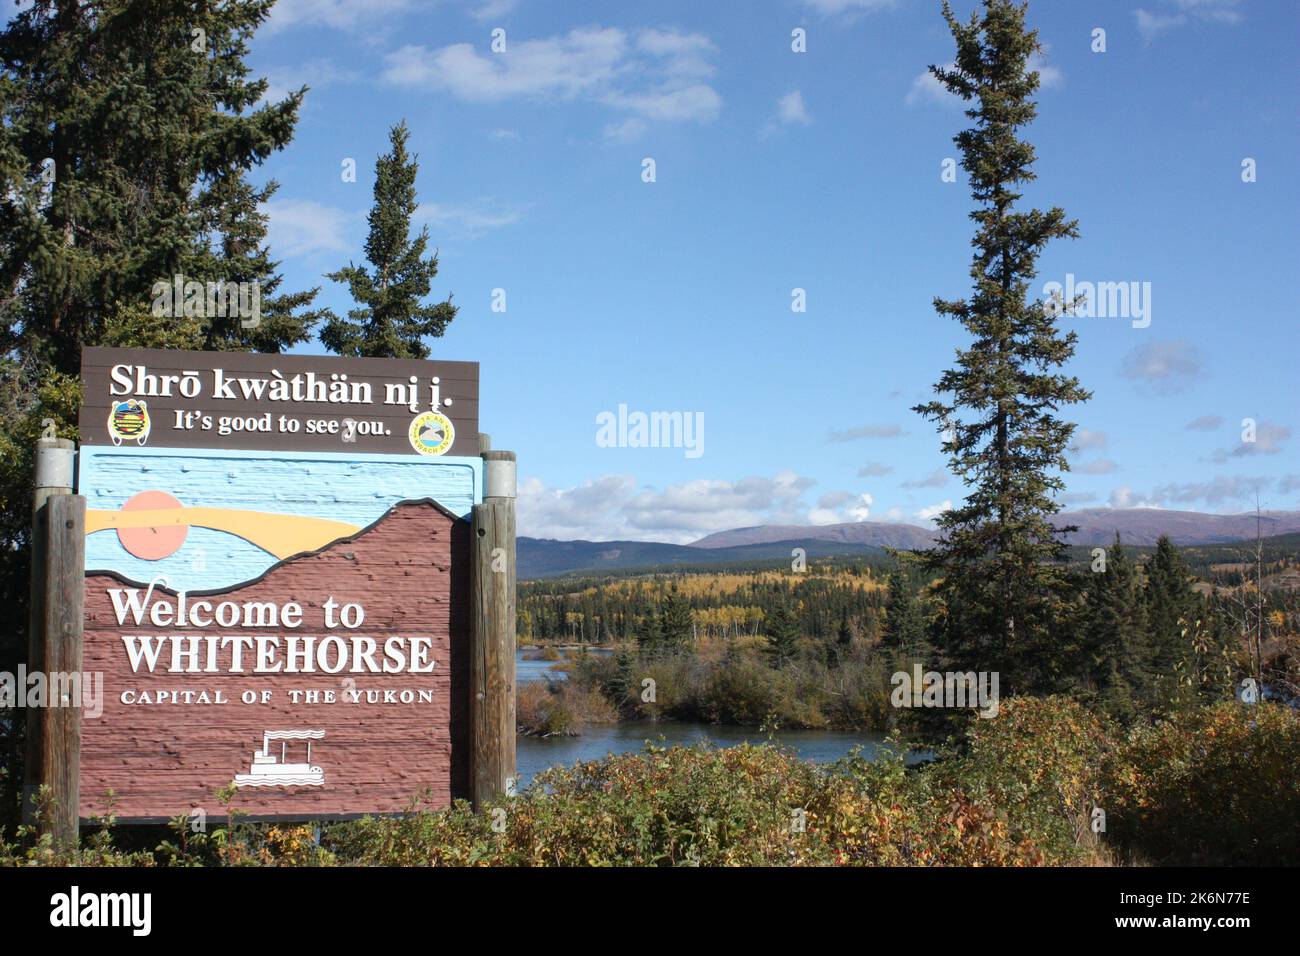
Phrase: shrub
(1214, 785)
(1040, 760)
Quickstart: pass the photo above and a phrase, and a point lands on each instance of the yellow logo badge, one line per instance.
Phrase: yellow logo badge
(432, 433)
(128, 421)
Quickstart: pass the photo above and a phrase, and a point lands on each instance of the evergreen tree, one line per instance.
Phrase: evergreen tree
(675, 621)
(844, 633)
(995, 552)
(622, 685)
(1116, 636)
(129, 127)
(782, 629)
(904, 619)
(1173, 610)
(127, 131)
(650, 635)
(391, 322)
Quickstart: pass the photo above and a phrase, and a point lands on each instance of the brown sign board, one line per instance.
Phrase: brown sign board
(249, 400)
(292, 621)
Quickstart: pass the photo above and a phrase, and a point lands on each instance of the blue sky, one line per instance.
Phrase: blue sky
(777, 170)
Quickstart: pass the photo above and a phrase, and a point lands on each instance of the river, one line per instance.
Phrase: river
(535, 754)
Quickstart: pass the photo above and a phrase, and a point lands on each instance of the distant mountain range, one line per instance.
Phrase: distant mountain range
(544, 557)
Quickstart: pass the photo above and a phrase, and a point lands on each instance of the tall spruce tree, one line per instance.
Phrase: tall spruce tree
(905, 625)
(998, 404)
(782, 629)
(1116, 639)
(129, 127)
(1173, 609)
(675, 620)
(127, 131)
(391, 322)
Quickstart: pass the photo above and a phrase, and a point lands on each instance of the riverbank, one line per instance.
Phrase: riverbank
(533, 755)
(733, 683)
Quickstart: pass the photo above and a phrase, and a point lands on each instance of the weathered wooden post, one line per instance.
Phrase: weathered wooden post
(492, 656)
(53, 476)
(63, 623)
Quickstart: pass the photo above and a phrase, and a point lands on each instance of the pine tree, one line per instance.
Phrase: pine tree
(650, 634)
(1116, 636)
(782, 629)
(1173, 609)
(391, 322)
(675, 621)
(904, 620)
(844, 633)
(127, 131)
(995, 552)
(143, 114)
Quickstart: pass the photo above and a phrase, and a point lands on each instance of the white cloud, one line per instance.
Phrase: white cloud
(790, 109)
(931, 512)
(926, 88)
(839, 507)
(625, 131)
(1269, 438)
(613, 507)
(653, 75)
(1086, 438)
(1102, 466)
(1218, 490)
(874, 469)
(936, 479)
(861, 510)
(299, 227)
(699, 103)
(580, 512)
(488, 9)
(466, 220)
(1125, 497)
(1164, 367)
(1049, 77)
(1180, 12)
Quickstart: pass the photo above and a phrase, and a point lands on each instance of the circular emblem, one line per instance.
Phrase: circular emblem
(128, 421)
(432, 433)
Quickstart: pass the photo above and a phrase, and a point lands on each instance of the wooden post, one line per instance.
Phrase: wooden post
(54, 466)
(492, 655)
(64, 620)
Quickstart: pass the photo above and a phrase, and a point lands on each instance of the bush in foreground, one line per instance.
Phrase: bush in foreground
(1213, 785)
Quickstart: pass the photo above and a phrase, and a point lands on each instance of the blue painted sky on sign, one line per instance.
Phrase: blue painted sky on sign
(357, 490)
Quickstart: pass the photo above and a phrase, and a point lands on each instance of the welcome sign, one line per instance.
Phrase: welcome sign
(277, 582)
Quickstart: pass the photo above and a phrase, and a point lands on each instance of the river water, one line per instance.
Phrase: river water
(534, 754)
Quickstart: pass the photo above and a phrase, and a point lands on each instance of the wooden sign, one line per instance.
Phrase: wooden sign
(281, 612)
(233, 400)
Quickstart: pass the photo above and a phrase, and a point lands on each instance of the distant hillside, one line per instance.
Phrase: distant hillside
(874, 534)
(1146, 525)
(1096, 526)
(547, 558)
(544, 558)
